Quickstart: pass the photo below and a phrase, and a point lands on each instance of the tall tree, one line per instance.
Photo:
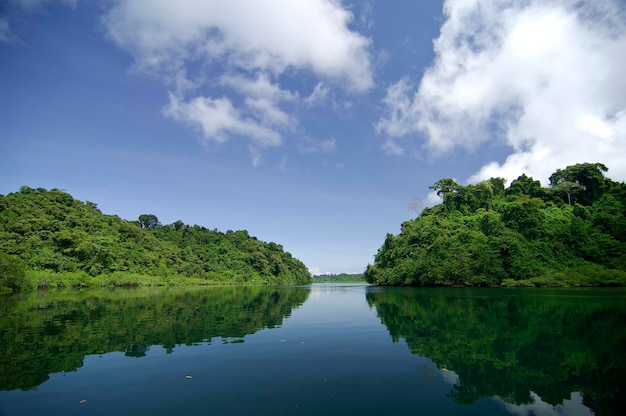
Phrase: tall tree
(525, 185)
(446, 189)
(590, 176)
(149, 221)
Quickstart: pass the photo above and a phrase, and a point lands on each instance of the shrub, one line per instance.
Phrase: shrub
(12, 272)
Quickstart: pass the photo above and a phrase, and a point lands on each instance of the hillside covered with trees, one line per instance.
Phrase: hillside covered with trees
(48, 238)
(339, 278)
(571, 233)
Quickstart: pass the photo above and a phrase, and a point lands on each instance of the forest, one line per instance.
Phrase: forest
(571, 233)
(339, 278)
(50, 239)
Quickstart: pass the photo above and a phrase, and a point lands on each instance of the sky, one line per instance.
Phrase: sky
(315, 124)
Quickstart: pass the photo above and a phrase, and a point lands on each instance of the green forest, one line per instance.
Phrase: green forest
(571, 233)
(50, 239)
(339, 278)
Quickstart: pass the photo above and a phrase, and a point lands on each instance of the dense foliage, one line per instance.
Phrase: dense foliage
(572, 233)
(63, 241)
(12, 272)
(339, 278)
(516, 344)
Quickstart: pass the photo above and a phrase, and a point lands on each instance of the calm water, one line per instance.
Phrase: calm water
(319, 350)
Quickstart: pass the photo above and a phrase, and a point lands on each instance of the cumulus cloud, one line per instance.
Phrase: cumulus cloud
(316, 271)
(243, 47)
(543, 77)
(308, 34)
(218, 119)
(263, 100)
(433, 199)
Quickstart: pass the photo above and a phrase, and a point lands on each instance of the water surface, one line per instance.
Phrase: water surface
(323, 349)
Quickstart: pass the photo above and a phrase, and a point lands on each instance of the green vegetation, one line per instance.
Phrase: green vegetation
(49, 239)
(572, 233)
(44, 333)
(510, 343)
(339, 278)
(12, 272)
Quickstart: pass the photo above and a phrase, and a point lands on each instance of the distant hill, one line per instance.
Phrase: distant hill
(63, 241)
(572, 233)
(339, 278)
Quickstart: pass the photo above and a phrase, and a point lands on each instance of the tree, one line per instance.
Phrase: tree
(525, 185)
(496, 185)
(590, 176)
(484, 234)
(444, 187)
(415, 205)
(50, 231)
(149, 221)
(490, 223)
(447, 189)
(178, 225)
(12, 272)
(568, 188)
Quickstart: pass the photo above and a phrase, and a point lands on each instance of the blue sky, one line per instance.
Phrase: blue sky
(313, 124)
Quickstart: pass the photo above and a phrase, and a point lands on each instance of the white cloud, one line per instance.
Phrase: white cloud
(433, 199)
(218, 119)
(596, 127)
(261, 87)
(315, 271)
(244, 47)
(391, 147)
(544, 77)
(399, 110)
(259, 119)
(263, 99)
(260, 35)
(318, 96)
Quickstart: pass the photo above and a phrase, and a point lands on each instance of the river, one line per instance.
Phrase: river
(323, 349)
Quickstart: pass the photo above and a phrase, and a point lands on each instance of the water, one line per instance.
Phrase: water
(324, 349)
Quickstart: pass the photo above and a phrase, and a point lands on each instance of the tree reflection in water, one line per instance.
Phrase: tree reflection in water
(52, 332)
(519, 345)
